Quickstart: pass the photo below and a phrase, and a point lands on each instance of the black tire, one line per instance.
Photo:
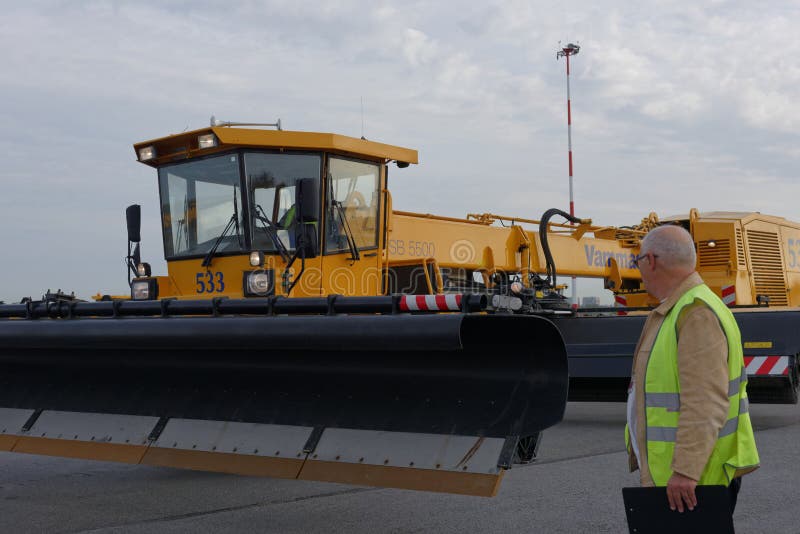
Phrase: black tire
(794, 380)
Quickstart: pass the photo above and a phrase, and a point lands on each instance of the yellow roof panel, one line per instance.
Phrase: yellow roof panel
(184, 145)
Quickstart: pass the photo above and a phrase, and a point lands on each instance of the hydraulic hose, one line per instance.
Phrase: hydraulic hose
(550, 265)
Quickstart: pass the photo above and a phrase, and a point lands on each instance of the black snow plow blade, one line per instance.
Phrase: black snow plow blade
(439, 402)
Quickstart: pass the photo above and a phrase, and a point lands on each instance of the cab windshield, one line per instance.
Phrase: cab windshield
(199, 200)
(271, 183)
(202, 202)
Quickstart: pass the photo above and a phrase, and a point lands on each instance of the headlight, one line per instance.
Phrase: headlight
(207, 141)
(143, 269)
(147, 153)
(258, 283)
(144, 289)
(257, 258)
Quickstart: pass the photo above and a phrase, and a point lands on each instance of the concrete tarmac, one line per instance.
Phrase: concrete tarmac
(574, 487)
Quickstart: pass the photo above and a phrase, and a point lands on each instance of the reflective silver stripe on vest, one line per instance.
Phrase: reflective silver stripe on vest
(661, 433)
(732, 424)
(733, 385)
(730, 427)
(666, 433)
(670, 401)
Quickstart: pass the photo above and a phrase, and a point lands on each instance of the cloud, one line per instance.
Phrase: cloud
(418, 48)
(674, 106)
(770, 109)
(790, 151)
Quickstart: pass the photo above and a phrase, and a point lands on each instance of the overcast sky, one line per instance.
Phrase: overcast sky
(675, 105)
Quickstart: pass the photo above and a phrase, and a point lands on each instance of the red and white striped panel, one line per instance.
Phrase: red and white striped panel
(430, 302)
(767, 365)
(729, 295)
(620, 302)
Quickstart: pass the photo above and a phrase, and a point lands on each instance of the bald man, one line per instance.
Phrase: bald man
(688, 422)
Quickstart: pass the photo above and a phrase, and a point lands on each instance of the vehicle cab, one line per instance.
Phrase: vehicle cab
(249, 211)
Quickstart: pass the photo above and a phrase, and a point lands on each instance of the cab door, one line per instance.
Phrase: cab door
(351, 227)
(272, 179)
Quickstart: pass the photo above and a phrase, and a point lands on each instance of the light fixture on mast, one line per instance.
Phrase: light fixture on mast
(566, 51)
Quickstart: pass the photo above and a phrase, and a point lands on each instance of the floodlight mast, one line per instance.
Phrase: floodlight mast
(570, 50)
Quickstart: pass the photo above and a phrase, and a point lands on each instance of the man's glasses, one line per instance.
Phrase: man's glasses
(640, 257)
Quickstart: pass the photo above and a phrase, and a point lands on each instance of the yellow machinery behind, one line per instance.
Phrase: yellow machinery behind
(305, 329)
(751, 260)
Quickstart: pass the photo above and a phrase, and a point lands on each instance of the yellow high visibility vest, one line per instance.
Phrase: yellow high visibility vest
(735, 448)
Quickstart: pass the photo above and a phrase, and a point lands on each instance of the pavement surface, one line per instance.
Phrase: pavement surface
(574, 487)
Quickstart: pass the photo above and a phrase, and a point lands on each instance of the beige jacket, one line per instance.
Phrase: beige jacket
(703, 376)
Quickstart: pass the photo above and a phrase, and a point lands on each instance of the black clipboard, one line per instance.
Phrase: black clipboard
(648, 512)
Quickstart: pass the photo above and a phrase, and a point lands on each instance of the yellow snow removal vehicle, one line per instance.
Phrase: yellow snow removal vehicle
(299, 332)
(307, 330)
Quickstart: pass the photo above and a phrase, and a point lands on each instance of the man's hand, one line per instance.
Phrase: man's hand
(680, 490)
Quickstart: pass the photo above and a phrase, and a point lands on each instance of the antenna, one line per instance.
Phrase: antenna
(362, 117)
(570, 50)
(217, 122)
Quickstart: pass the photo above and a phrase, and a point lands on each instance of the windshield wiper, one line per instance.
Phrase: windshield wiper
(236, 218)
(271, 232)
(348, 233)
(210, 255)
(234, 222)
(183, 231)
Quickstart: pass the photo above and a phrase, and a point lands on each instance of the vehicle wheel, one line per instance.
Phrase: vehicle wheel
(794, 381)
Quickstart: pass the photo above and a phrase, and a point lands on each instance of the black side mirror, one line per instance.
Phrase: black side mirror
(307, 240)
(136, 257)
(306, 200)
(133, 214)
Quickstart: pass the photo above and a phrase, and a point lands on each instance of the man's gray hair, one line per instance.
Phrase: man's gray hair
(673, 245)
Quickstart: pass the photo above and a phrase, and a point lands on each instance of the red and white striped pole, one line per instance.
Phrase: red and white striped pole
(567, 51)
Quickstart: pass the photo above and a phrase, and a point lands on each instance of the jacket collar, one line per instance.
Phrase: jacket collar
(691, 281)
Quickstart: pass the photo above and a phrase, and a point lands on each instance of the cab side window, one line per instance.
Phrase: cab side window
(353, 201)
